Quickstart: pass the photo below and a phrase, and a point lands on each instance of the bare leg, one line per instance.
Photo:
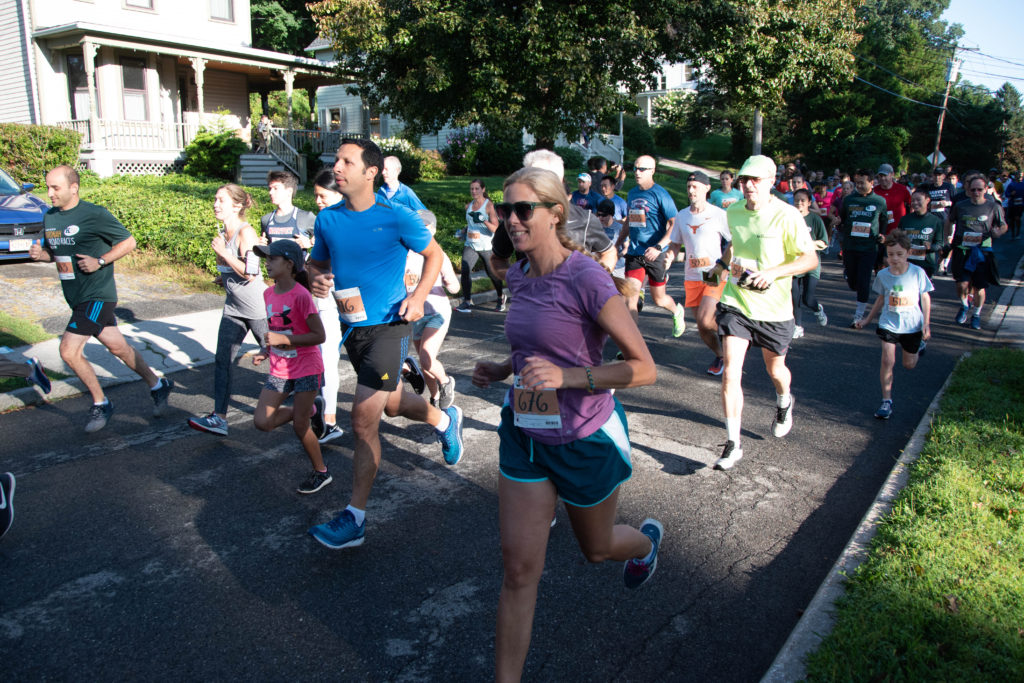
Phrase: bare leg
(885, 373)
(661, 298)
(112, 338)
(734, 350)
(367, 408)
(707, 326)
(777, 371)
(71, 346)
(601, 539)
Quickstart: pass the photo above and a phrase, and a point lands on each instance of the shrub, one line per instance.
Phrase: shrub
(668, 137)
(29, 151)
(460, 152)
(432, 167)
(499, 153)
(637, 135)
(214, 154)
(570, 157)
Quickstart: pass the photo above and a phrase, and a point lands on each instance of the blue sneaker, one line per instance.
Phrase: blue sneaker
(637, 572)
(975, 322)
(38, 376)
(961, 315)
(341, 532)
(885, 411)
(451, 438)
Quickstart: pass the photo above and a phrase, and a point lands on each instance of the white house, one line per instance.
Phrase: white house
(138, 77)
(676, 77)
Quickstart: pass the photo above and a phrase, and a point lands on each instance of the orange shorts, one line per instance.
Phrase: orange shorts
(698, 289)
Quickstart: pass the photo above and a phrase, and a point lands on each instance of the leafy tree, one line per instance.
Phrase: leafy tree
(281, 26)
(551, 68)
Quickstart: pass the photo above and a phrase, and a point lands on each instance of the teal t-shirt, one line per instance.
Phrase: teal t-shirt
(86, 229)
(925, 233)
(862, 220)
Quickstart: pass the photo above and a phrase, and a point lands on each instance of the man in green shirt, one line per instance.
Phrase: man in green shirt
(925, 231)
(84, 240)
(862, 214)
(770, 245)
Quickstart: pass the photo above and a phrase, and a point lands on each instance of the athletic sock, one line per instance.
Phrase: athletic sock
(977, 310)
(963, 300)
(360, 515)
(157, 385)
(783, 400)
(443, 424)
(732, 428)
(104, 402)
(861, 307)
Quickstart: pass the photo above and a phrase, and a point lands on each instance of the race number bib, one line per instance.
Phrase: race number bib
(899, 302)
(860, 229)
(890, 216)
(973, 239)
(637, 218)
(411, 280)
(472, 235)
(535, 409)
(65, 268)
(738, 266)
(698, 262)
(284, 353)
(350, 305)
(917, 252)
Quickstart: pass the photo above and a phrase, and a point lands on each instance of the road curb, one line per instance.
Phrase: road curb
(819, 618)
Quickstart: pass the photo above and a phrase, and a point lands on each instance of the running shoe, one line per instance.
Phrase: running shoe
(961, 315)
(316, 420)
(412, 374)
(315, 481)
(637, 572)
(820, 315)
(885, 411)
(717, 366)
(6, 502)
(730, 456)
(922, 348)
(783, 421)
(451, 438)
(446, 394)
(331, 432)
(99, 416)
(464, 307)
(160, 395)
(38, 376)
(679, 321)
(502, 305)
(340, 532)
(798, 332)
(212, 423)
(975, 322)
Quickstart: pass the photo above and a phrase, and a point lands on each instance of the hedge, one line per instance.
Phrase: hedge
(29, 151)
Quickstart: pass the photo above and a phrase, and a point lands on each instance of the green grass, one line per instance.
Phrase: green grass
(941, 596)
(712, 152)
(16, 332)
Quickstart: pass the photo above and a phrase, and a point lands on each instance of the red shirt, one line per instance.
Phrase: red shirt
(897, 203)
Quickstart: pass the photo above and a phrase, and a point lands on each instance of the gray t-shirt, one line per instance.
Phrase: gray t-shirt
(901, 309)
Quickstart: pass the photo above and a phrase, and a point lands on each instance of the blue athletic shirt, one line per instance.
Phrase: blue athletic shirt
(404, 195)
(367, 249)
(649, 212)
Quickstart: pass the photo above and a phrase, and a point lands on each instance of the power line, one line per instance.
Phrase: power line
(896, 94)
(1000, 59)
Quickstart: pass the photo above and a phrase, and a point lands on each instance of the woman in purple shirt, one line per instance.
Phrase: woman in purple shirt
(562, 433)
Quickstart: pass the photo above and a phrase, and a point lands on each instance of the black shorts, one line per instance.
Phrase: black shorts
(637, 265)
(984, 275)
(377, 353)
(90, 317)
(774, 336)
(910, 342)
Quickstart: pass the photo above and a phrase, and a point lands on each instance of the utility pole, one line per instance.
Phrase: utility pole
(952, 68)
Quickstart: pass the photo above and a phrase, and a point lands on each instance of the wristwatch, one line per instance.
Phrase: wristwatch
(100, 261)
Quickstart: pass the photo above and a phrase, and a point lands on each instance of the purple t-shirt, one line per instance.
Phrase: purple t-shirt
(555, 317)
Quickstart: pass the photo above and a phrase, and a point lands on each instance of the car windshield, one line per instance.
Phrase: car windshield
(7, 184)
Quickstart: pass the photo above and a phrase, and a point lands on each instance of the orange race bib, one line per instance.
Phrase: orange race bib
(65, 268)
(898, 302)
(411, 280)
(350, 305)
(535, 408)
(699, 261)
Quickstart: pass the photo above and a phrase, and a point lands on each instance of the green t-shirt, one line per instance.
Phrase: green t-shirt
(818, 232)
(766, 238)
(86, 229)
(925, 233)
(861, 219)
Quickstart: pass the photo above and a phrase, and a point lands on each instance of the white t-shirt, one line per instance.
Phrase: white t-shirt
(901, 309)
(701, 234)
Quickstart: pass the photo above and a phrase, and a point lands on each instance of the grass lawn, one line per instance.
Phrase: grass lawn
(15, 332)
(941, 596)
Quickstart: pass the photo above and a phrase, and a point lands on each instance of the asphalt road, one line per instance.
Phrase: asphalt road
(150, 551)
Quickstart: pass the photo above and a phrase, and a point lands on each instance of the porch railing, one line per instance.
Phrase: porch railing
(281, 150)
(133, 135)
(319, 141)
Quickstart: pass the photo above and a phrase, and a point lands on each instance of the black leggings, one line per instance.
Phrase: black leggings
(858, 266)
(804, 287)
(469, 258)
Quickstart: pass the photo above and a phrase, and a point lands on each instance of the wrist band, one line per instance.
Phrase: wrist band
(722, 263)
(590, 380)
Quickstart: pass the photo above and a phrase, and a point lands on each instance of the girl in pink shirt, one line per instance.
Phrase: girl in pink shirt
(292, 345)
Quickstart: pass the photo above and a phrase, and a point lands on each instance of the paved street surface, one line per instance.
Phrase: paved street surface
(150, 551)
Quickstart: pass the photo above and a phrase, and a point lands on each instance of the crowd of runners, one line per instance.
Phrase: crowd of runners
(366, 273)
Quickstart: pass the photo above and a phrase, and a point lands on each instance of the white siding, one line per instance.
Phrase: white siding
(15, 81)
(226, 90)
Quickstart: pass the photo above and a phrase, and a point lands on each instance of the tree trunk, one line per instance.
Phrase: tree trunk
(758, 124)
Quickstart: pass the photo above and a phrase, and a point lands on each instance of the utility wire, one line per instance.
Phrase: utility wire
(896, 94)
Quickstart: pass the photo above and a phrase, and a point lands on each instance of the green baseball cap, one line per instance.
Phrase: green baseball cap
(757, 166)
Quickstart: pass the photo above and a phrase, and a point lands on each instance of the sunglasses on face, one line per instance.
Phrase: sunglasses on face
(522, 210)
(643, 169)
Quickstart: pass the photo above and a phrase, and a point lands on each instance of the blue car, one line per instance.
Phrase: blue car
(21, 218)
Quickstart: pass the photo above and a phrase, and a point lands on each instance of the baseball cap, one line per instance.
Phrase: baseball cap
(699, 177)
(282, 247)
(939, 171)
(757, 166)
(885, 169)
(429, 219)
(584, 176)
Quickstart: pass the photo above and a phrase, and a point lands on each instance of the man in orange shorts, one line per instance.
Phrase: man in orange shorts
(703, 231)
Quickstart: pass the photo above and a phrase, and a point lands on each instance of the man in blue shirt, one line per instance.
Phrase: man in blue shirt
(394, 190)
(584, 196)
(651, 214)
(608, 192)
(360, 248)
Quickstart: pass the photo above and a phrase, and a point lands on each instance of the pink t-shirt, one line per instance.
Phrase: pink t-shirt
(287, 313)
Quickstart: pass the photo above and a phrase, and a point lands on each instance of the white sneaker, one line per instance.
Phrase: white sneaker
(783, 421)
(820, 315)
(798, 332)
(730, 456)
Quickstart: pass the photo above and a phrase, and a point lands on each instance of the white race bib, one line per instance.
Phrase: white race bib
(535, 409)
(65, 268)
(859, 229)
(350, 305)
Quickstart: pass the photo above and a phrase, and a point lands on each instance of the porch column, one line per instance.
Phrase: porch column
(89, 54)
(289, 82)
(199, 65)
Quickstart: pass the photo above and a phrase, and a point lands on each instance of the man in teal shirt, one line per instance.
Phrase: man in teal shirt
(862, 213)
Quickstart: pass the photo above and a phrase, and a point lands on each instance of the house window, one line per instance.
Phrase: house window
(139, 4)
(133, 86)
(335, 118)
(78, 87)
(222, 10)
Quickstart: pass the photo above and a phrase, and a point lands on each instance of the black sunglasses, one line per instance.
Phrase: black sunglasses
(522, 210)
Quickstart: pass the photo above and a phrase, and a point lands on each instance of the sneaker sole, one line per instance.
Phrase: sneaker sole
(331, 436)
(207, 430)
(327, 544)
(458, 438)
(725, 464)
(785, 429)
(324, 483)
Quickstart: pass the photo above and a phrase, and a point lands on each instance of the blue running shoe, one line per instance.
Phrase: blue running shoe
(637, 572)
(975, 322)
(451, 438)
(885, 411)
(38, 376)
(340, 532)
(961, 315)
